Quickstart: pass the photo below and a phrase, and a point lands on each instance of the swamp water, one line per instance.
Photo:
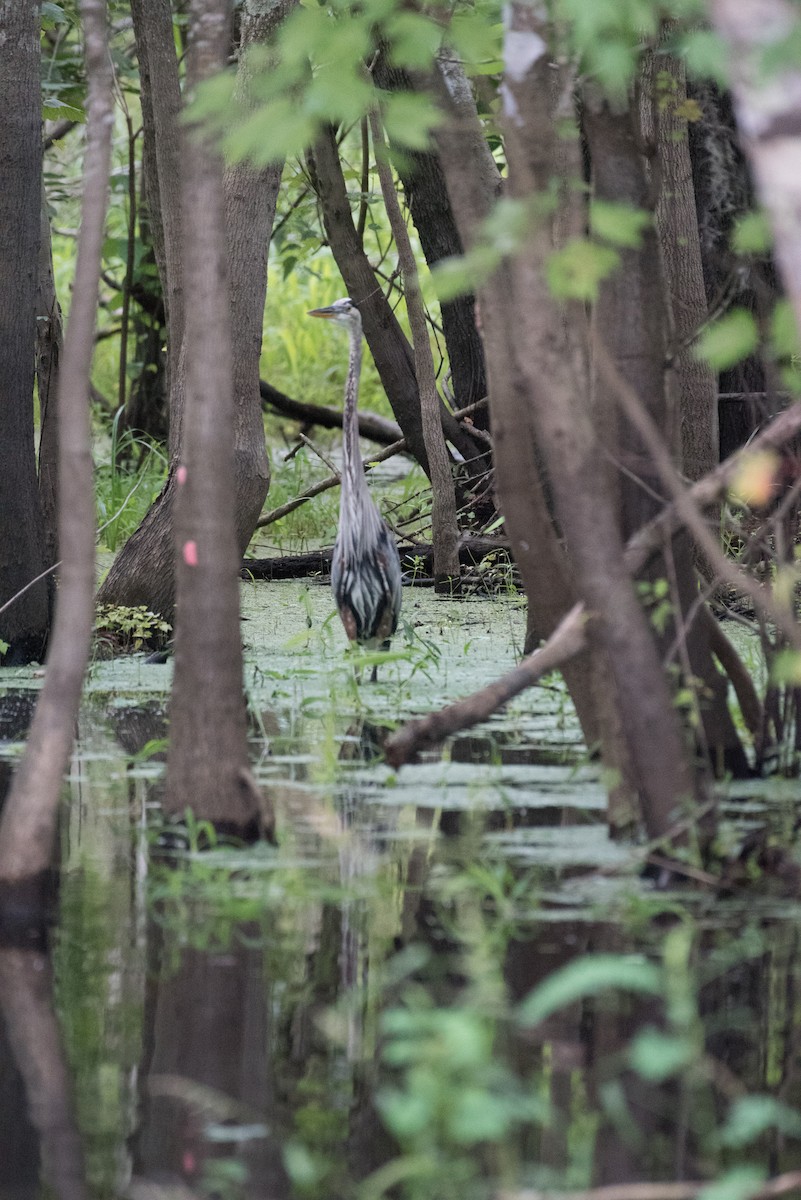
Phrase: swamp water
(444, 982)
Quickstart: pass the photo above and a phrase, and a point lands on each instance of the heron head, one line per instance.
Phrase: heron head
(343, 311)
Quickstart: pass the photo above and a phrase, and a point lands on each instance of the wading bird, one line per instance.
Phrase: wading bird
(366, 570)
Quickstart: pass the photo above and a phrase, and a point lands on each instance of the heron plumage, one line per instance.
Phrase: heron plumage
(366, 571)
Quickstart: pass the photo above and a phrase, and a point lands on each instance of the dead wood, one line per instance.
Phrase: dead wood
(418, 559)
(330, 481)
(371, 425)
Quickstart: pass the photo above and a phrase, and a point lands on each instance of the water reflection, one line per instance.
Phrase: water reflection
(293, 1021)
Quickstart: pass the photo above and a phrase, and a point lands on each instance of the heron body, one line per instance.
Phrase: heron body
(366, 570)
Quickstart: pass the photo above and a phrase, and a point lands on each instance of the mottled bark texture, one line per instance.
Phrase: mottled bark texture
(445, 531)
(143, 571)
(556, 372)
(666, 134)
(474, 185)
(631, 321)
(24, 625)
(208, 758)
(28, 822)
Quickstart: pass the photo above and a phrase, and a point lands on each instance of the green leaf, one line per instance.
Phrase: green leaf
(53, 14)
(619, 224)
(751, 1116)
(589, 976)
(576, 271)
(784, 331)
(786, 668)
(752, 234)
(413, 40)
(706, 56)
(409, 119)
(54, 109)
(657, 1056)
(478, 43)
(731, 339)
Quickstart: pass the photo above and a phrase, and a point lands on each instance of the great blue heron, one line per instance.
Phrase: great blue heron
(366, 570)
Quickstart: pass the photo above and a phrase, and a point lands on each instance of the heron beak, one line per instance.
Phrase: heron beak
(327, 313)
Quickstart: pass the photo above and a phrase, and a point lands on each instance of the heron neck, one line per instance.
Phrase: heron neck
(353, 478)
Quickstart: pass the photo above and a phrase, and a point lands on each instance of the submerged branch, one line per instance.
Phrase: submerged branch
(567, 640)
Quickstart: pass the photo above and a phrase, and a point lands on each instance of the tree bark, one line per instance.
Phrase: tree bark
(554, 341)
(474, 184)
(23, 626)
(427, 196)
(630, 320)
(677, 225)
(161, 111)
(49, 346)
(768, 108)
(207, 765)
(143, 571)
(28, 822)
(391, 351)
(445, 531)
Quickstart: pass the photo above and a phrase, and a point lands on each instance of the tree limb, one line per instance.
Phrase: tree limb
(567, 640)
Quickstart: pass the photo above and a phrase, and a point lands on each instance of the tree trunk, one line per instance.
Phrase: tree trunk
(445, 533)
(391, 351)
(677, 224)
(427, 196)
(24, 625)
(557, 376)
(49, 345)
(28, 823)
(474, 183)
(161, 110)
(143, 571)
(208, 759)
(768, 107)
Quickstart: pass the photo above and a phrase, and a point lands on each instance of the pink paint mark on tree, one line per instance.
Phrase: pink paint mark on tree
(180, 475)
(190, 554)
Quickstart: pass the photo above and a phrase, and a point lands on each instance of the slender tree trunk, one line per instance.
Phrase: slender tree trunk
(677, 225)
(49, 345)
(445, 533)
(207, 762)
(24, 625)
(768, 109)
(427, 196)
(394, 358)
(557, 375)
(143, 571)
(161, 110)
(474, 183)
(28, 822)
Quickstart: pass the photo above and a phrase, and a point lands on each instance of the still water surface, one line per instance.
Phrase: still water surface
(444, 982)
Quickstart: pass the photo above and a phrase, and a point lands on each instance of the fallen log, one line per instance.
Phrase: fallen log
(416, 560)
